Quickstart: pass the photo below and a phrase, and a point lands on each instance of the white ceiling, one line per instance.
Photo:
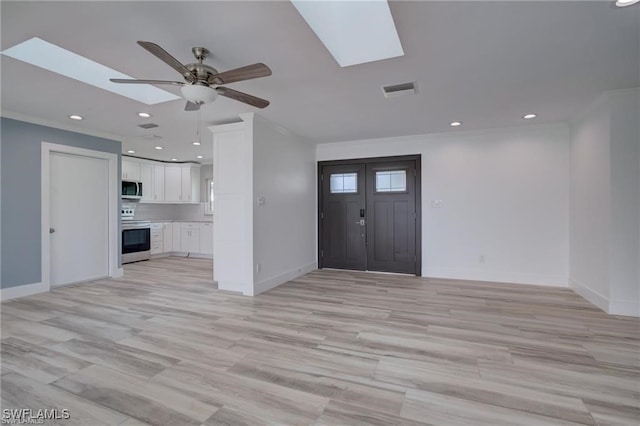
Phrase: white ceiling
(483, 63)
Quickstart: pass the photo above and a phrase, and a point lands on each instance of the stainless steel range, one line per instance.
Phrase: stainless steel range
(136, 237)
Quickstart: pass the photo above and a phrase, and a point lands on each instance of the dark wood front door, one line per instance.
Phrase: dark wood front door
(369, 214)
(343, 230)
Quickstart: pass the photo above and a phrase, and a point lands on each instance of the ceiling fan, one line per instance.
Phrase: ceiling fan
(202, 82)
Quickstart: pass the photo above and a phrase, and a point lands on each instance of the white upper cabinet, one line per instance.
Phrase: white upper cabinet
(152, 178)
(146, 177)
(173, 183)
(164, 183)
(158, 182)
(182, 183)
(130, 170)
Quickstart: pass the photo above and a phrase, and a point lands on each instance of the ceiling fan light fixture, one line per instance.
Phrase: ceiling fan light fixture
(625, 3)
(199, 94)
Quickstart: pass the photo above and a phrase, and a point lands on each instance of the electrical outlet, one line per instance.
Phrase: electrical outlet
(436, 204)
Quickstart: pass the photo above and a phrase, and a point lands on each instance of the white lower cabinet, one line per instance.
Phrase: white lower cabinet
(206, 238)
(182, 237)
(156, 238)
(190, 236)
(176, 231)
(167, 234)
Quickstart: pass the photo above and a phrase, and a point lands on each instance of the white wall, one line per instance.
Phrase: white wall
(605, 203)
(590, 204)
(284, 226)
(258, 247)
(233, 187)
(505, 197)
(625, 204)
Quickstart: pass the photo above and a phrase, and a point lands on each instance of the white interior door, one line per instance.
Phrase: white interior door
(79, 218)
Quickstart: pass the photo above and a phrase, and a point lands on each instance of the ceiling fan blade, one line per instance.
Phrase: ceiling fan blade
(239, 74)
(165, 57)
(242, 97)
(190, 106)
(128, 81)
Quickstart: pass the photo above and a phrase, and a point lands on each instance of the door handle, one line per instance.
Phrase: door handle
(52, 230)
(360, 222)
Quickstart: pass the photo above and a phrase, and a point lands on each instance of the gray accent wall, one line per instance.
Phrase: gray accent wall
(20, 177)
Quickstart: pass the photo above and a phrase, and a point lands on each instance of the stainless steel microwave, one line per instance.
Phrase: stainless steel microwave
(131, 190)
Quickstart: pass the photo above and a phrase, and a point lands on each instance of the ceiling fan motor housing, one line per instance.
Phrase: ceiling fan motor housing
(199, 93)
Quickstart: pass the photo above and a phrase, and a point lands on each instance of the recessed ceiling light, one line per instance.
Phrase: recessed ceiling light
(158, 147)
(131, 151)
(196, 143)
(455, 123)
(75, 117)
(199, 156)
(54, 58)
(625, 3)
(529, 116)
(174, 159)
(354, 32)
(144, 114)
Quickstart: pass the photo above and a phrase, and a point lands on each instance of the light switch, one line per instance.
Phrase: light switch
(436, 204)
(261, 201)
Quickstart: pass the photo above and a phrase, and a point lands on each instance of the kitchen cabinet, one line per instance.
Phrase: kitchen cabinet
(190, 183)
(167, 237)
(157, 238)
(190, 238)
(152, 178)
(130, 170)
(182, 183)
(158, 182)
(146, 177)
(206, 238)
(176, 237)
(172, 183)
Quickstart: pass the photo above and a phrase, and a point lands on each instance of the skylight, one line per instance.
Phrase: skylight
(61, 61)
(355, 32)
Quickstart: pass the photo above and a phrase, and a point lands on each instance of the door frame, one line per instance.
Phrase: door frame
(417, 158)
(112, 201)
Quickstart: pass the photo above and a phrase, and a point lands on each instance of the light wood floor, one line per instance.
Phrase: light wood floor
(162, 347)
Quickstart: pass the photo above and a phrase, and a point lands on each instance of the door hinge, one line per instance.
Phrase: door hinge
(321, 253)
(321, 215)
(322, 177)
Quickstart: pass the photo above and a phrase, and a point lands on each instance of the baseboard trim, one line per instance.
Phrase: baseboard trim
(181, 254)
(497, 277)
(590, 295)
(22, 291)
(269, 283)
(610, 306)
(624, 308)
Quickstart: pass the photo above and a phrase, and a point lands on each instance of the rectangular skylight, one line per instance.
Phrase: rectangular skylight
(54, 58)
(355, 32)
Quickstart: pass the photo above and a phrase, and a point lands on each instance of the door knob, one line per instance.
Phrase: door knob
(52, 230)
(360, 222)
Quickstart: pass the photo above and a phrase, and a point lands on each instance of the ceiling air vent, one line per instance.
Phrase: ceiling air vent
(148, 125)
(401, 89)
(151, 137)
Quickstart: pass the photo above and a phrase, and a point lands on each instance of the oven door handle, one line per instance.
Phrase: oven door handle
(138, 192)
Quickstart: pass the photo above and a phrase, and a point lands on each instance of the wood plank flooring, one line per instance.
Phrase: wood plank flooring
(162, 346)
